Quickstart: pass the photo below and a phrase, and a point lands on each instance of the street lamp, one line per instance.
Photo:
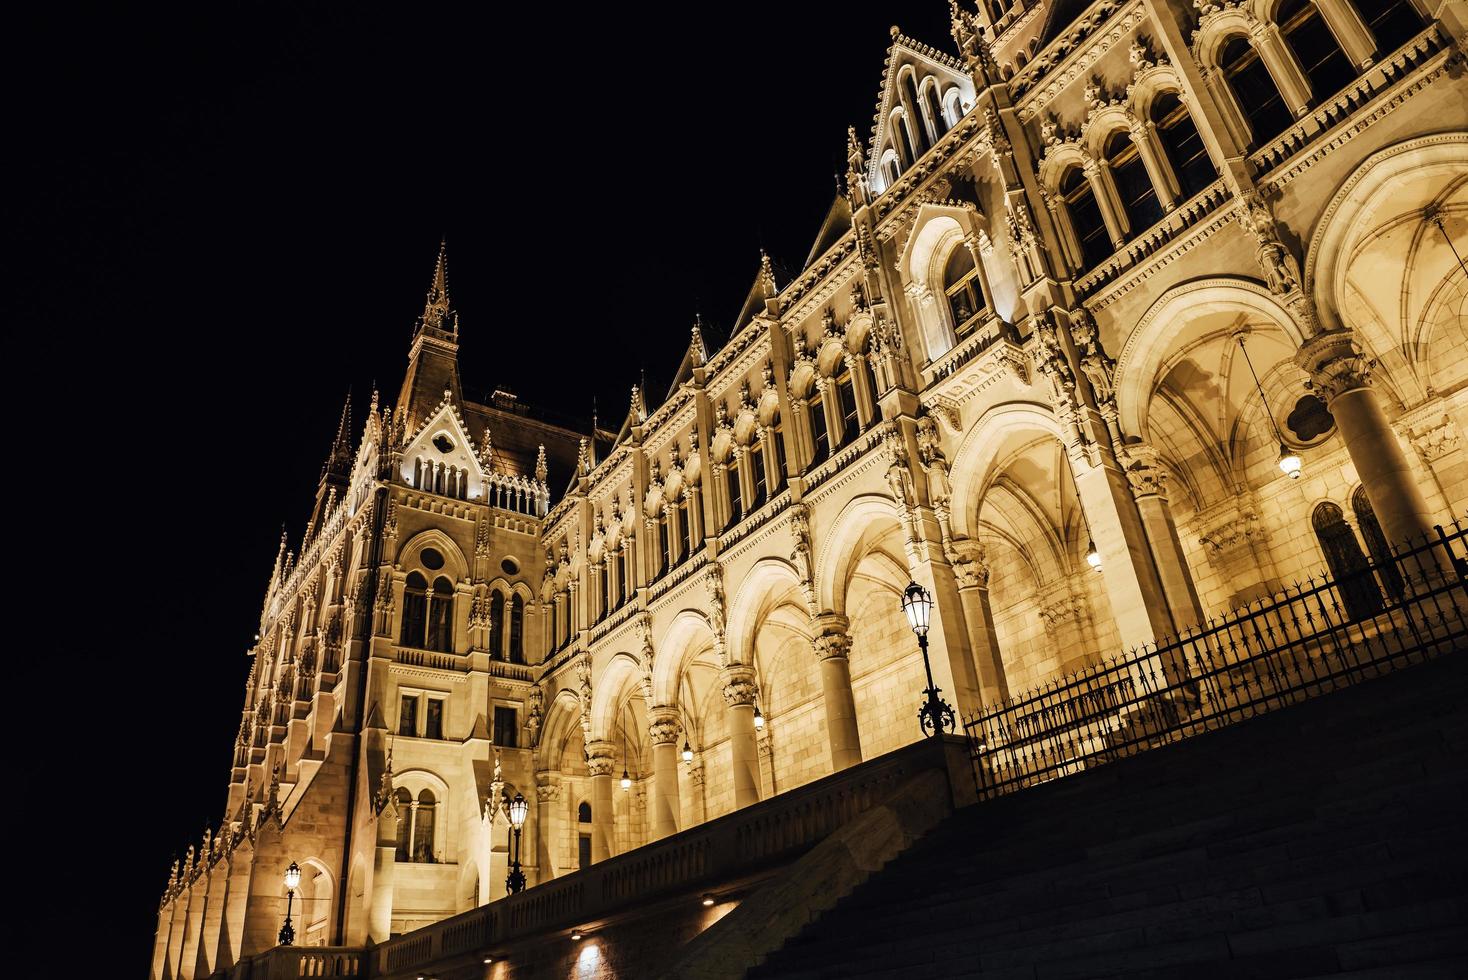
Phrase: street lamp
(292, 882)
(519, 810)
(935, 715)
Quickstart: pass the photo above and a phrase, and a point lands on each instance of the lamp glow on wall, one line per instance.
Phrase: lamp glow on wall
(1289, 461)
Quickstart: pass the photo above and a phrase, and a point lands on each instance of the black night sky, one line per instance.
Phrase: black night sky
(223, 216)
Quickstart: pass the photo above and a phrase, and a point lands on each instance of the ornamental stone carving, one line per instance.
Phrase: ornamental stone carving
(1336, 365)
(1435, 440)
(600, 758)
(663, 727)
(739, 686)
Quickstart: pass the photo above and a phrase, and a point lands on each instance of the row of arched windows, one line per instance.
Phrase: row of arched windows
(428, 619)
(441, 478)
(1361, 592)
(1318, 53)
(416, 820)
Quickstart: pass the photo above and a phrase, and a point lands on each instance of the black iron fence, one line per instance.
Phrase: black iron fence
(1315, 637)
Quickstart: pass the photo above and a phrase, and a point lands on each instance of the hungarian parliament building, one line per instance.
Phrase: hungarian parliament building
(1128, 313)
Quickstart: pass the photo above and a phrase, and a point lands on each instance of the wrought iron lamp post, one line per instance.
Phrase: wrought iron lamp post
(519, 810)
(292, 882)
(935, 715)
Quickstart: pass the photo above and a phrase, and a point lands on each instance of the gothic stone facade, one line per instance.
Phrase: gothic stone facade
(1027, 336)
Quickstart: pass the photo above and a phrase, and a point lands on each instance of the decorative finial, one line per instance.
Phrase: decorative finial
(540, 468)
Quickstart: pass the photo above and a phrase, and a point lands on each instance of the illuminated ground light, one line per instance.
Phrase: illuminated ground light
(575, 936)
(708, 900)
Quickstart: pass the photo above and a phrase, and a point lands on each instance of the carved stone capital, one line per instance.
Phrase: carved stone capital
(1434, 440)
(969, 562)
(600, 758)
(663, 727)
(1336, 364)
(739, 686)
(833, 636)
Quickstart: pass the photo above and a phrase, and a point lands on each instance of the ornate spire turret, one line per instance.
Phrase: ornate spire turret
(540, 467)
(438, 314)
(696, 348)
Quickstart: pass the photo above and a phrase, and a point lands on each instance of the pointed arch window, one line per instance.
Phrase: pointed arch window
(903, 140)
(497, 625)
(1348, 565)
(1133, 184)
(964, 289)
(1315, 47)
(1381, 555)
(846, 402)
(1085, 217)
(404, 841)
(820, 434)
(441, 616)
(415, 611)
(935, 110)
(664, 530)
(423, 827)
(1254, 90)
(1393, 23)
(1182, 144)
(915, 126)
(517, 629)
(731, 484)
(776, 436)
(755, 453)
(553, 628)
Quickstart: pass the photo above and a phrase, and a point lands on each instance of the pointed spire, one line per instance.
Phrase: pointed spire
(856, 167)
(540, 468)
(583, 458)
(486, 450)
(638, 406)
(696, 345)
(339, 460)
(767, 274)
(438, 313)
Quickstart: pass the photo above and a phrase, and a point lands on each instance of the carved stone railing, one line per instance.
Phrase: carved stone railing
(431, 658)
(1385, 75)
(747, 842)
(293, 962)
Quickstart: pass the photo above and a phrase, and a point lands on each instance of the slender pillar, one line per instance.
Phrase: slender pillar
(739, 691)
(833, 649)
(1149, 487)
(1341, 375)
(1138, 603)
(547, 795)
(971, 572)
(663, 731)
(600, 760)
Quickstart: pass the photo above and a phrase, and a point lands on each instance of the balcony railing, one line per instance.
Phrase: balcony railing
(1309, 640)
(294, 962)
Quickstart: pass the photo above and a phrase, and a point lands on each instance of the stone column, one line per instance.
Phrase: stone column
(1149, 488)
(833, 649)
(1144, 136)
(547, 795)
(1341, 375)
(600, 761)
(1138, 603)
(739, 691)
(662, 731)
(971, 572)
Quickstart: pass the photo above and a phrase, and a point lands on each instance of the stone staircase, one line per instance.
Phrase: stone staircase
(1323, 839)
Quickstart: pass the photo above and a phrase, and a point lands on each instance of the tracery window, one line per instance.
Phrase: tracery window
(441, 617)
(415, 610)
(1182, 144)
(496, 625)
(846, 402)
(517, 629)
(1381, 555)
(1254, 89)
(964, 289)
(1348, 566)
(1085, 217)
(731, 484)
(423, 826)
(404, 836)
(1134, 186)
(1315, 48)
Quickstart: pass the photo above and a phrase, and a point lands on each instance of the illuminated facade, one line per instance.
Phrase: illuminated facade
(1018, 367)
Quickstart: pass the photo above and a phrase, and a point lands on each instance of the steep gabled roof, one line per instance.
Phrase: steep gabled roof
(903, 51)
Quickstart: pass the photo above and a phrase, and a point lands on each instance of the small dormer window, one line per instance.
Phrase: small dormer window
(443, 443)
